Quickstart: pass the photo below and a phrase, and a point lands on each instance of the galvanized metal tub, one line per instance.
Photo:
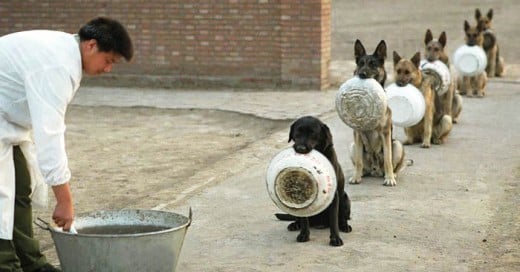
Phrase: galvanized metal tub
(154, 245)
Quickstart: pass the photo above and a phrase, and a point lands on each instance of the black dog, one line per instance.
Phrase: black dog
(310, 133)
(370, 66)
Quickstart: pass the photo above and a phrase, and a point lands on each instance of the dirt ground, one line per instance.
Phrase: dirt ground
(456, 209)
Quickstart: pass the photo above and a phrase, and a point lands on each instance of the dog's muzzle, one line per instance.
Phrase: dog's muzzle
(401, 83)
(301, 148)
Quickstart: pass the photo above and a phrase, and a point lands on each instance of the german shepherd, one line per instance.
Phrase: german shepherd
(468, 85)
(435, 125)
(310, 133)
(495, 63)
(375, 152)
(434, 49)
(370, 66)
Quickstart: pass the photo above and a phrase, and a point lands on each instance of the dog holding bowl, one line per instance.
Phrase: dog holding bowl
(435, 126)
(470, 62)
(307, 182)
(435, 52)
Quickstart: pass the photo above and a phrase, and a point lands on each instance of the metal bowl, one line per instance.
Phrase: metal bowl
(470, 60)
(407, 104)
(301, 184)
(361, 103)
(440, 71)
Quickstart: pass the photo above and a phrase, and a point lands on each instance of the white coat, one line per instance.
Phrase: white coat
(40, 71)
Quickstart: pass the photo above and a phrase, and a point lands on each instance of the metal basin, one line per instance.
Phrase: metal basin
(124, 240)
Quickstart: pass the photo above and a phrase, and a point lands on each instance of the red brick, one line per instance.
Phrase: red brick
(251, 42)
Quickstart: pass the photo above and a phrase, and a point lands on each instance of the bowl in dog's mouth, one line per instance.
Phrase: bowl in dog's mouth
(440, 72)
(407, 104)
(296, 187)
(361, 103)
(470, 60)
(301, 184)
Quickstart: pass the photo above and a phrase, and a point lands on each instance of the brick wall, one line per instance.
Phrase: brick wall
(237, 43)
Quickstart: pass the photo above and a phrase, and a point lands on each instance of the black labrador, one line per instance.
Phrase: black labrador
(310, 133)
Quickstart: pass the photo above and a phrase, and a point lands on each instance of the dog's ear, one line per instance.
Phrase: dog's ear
(359, 50)
(480, 26)
(381, 50)
(291, 131)
(443, 39)
(416, 59)
(325, 132)
(478, 15)
(428, 37)
(490, 14)
(466, 26)
(397, 58)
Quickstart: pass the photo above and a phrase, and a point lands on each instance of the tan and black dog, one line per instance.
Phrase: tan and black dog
(435, 125)
(495, 63)
(469, 85)
(375, 152)
(434, 49)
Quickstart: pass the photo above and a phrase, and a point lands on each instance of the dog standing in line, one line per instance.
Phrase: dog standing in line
(375, 152)
(468, 85)
(495, 63)
(435, 125)
(434, 49)
(310, 133)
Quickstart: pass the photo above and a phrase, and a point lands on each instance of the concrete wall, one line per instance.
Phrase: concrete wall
(238, 43)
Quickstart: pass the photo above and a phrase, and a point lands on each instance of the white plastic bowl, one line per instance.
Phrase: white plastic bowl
(470, 60)
(301, 184)
(441, 71)
(361, 103)
(407, 104)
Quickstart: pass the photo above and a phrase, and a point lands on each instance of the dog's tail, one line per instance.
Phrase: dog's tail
(285, 217)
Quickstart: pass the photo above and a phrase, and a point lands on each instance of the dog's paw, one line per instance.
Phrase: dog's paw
(354, 180)
(425, 145)
(303, 237)
(345, 228)
(336, 241)
(407, 142)
(390, 182)
(294, 226)
(437, 141)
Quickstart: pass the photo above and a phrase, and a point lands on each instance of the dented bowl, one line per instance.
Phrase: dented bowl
(440, 71)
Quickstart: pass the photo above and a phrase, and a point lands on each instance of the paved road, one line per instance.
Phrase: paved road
(456, 209)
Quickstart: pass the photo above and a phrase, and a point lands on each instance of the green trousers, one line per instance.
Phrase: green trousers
(23, 252)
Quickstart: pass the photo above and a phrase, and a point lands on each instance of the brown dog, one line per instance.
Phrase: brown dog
(434, 49)
(435, 125)
(468, 85)
(374, 152)
(495, 63)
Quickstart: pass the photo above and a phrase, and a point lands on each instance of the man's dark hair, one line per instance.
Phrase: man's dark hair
(110, 35)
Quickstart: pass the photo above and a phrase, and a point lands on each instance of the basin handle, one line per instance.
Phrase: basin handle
(44, 225)
(189, 217)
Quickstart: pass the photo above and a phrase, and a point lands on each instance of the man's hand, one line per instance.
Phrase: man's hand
(64, 211)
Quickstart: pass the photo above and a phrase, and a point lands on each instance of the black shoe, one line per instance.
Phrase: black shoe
(47, 268)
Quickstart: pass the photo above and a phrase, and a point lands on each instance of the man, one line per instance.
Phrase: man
(40, 71)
